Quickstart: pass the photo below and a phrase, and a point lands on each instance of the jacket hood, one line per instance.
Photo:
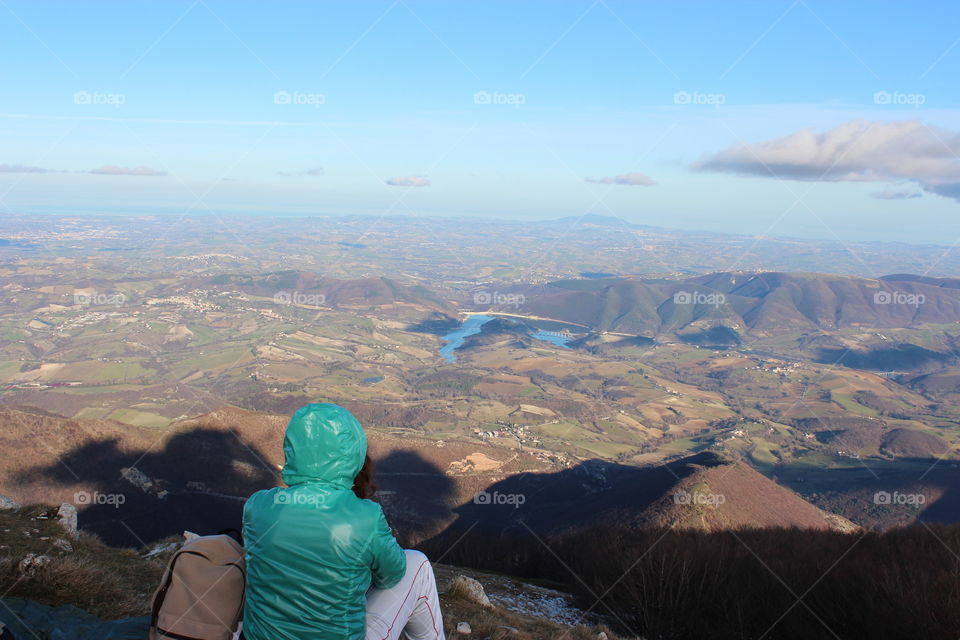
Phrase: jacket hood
(324, 443)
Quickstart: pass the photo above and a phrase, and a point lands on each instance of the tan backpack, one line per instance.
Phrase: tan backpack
(201, 594)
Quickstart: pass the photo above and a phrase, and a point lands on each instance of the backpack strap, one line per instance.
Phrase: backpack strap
(236, 534)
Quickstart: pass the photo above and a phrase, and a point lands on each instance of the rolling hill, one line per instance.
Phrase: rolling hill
(703, 492)
(317, 290)
(759, 304)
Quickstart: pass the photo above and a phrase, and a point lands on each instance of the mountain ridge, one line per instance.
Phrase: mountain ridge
(750, 302)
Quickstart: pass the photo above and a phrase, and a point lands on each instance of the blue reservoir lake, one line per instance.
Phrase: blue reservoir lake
(473, 324)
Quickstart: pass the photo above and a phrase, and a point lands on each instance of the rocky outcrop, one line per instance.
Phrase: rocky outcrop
(67, 516)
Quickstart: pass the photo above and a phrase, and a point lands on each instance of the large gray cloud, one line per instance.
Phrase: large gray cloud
(855, 151)
(634, 178)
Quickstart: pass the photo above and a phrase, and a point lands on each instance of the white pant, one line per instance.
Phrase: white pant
(412, 608)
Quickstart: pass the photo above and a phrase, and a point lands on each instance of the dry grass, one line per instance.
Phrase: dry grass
(498, 624)
(117, 583)
(109, 583)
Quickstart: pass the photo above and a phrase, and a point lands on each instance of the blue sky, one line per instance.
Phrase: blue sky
(496, 109)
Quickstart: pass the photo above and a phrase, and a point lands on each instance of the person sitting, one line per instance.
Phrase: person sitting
(322, 562)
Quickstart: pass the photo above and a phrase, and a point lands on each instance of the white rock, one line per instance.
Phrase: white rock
(472, 589)
(137, 478)
(62, 544)
(160, 548)
(67, 515)
(464, 628)
(8, 504)
(33, 561)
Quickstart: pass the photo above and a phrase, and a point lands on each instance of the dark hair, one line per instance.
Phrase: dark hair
(364, 485)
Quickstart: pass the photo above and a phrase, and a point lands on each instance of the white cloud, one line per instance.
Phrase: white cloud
(634, 178)
(19, 168)
(309, 172)
(897, 194)
(856, 151)
(408, 181)
(112, 170)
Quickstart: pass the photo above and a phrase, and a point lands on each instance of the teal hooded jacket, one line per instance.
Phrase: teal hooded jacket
(313, 548)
